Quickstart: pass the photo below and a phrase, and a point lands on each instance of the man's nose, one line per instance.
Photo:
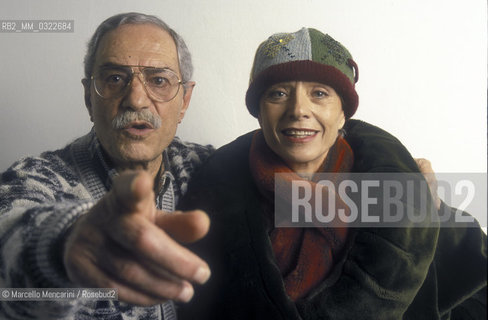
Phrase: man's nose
(136, 96)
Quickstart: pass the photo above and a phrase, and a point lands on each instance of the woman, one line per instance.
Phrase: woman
(302, 91)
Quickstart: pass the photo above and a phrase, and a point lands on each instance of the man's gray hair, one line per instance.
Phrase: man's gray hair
(184, 56)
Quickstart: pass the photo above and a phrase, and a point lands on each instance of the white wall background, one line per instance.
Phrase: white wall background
(422, 67)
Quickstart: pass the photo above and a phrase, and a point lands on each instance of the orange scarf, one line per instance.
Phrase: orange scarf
(305, 256)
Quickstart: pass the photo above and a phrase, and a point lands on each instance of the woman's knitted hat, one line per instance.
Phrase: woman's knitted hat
(306, 55)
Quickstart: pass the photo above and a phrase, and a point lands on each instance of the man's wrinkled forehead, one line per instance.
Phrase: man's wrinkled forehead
(133, 44)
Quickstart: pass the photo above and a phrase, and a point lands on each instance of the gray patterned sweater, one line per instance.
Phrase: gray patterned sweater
(41, 197)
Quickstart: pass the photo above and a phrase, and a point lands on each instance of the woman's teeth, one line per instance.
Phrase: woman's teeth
(298, 133)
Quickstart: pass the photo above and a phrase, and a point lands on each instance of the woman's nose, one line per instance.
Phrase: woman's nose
(300, 104)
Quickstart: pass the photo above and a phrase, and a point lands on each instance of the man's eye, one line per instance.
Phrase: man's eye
(114, 79)
(158, 81)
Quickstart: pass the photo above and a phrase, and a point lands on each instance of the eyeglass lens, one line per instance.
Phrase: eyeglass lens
(112, 82)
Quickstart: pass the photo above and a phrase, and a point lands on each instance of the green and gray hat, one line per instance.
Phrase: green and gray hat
(306, 55)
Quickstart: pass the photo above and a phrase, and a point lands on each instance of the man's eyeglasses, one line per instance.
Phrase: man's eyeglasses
(161, 84)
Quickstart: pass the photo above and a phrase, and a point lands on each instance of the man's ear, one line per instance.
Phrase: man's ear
(87, 86)
(186, 98)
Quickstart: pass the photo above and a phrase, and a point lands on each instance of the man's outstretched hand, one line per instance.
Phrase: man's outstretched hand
(124, 242)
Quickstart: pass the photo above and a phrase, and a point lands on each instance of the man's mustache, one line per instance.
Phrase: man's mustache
(122, 120)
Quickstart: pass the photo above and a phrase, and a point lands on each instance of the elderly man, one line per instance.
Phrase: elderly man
(91, 214)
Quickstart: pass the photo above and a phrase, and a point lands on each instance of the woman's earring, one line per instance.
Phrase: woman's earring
(342, 132)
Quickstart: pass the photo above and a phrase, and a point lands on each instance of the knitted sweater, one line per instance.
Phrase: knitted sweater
(385, 273)
(41, 197)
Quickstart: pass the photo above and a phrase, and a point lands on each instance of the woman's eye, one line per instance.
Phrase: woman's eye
(320, 93)
(277, 94)
(274, 95)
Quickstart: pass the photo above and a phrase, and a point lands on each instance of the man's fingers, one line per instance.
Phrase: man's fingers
(138, 276)
(151, 244)
(424, 165)
(425, 168)
(188, 226)
(99, 262)
(91, 275)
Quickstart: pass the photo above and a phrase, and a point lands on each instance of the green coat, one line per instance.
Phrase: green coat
(385, 273)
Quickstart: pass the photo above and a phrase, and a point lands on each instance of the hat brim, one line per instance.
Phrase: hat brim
(305, 70)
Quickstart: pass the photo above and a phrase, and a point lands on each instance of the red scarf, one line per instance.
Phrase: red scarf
(305, 256)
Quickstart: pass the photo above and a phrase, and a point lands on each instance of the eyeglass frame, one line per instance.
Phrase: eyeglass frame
(143, 80)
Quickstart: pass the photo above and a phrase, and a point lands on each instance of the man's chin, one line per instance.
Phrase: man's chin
(138, 157)
(135, 154)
